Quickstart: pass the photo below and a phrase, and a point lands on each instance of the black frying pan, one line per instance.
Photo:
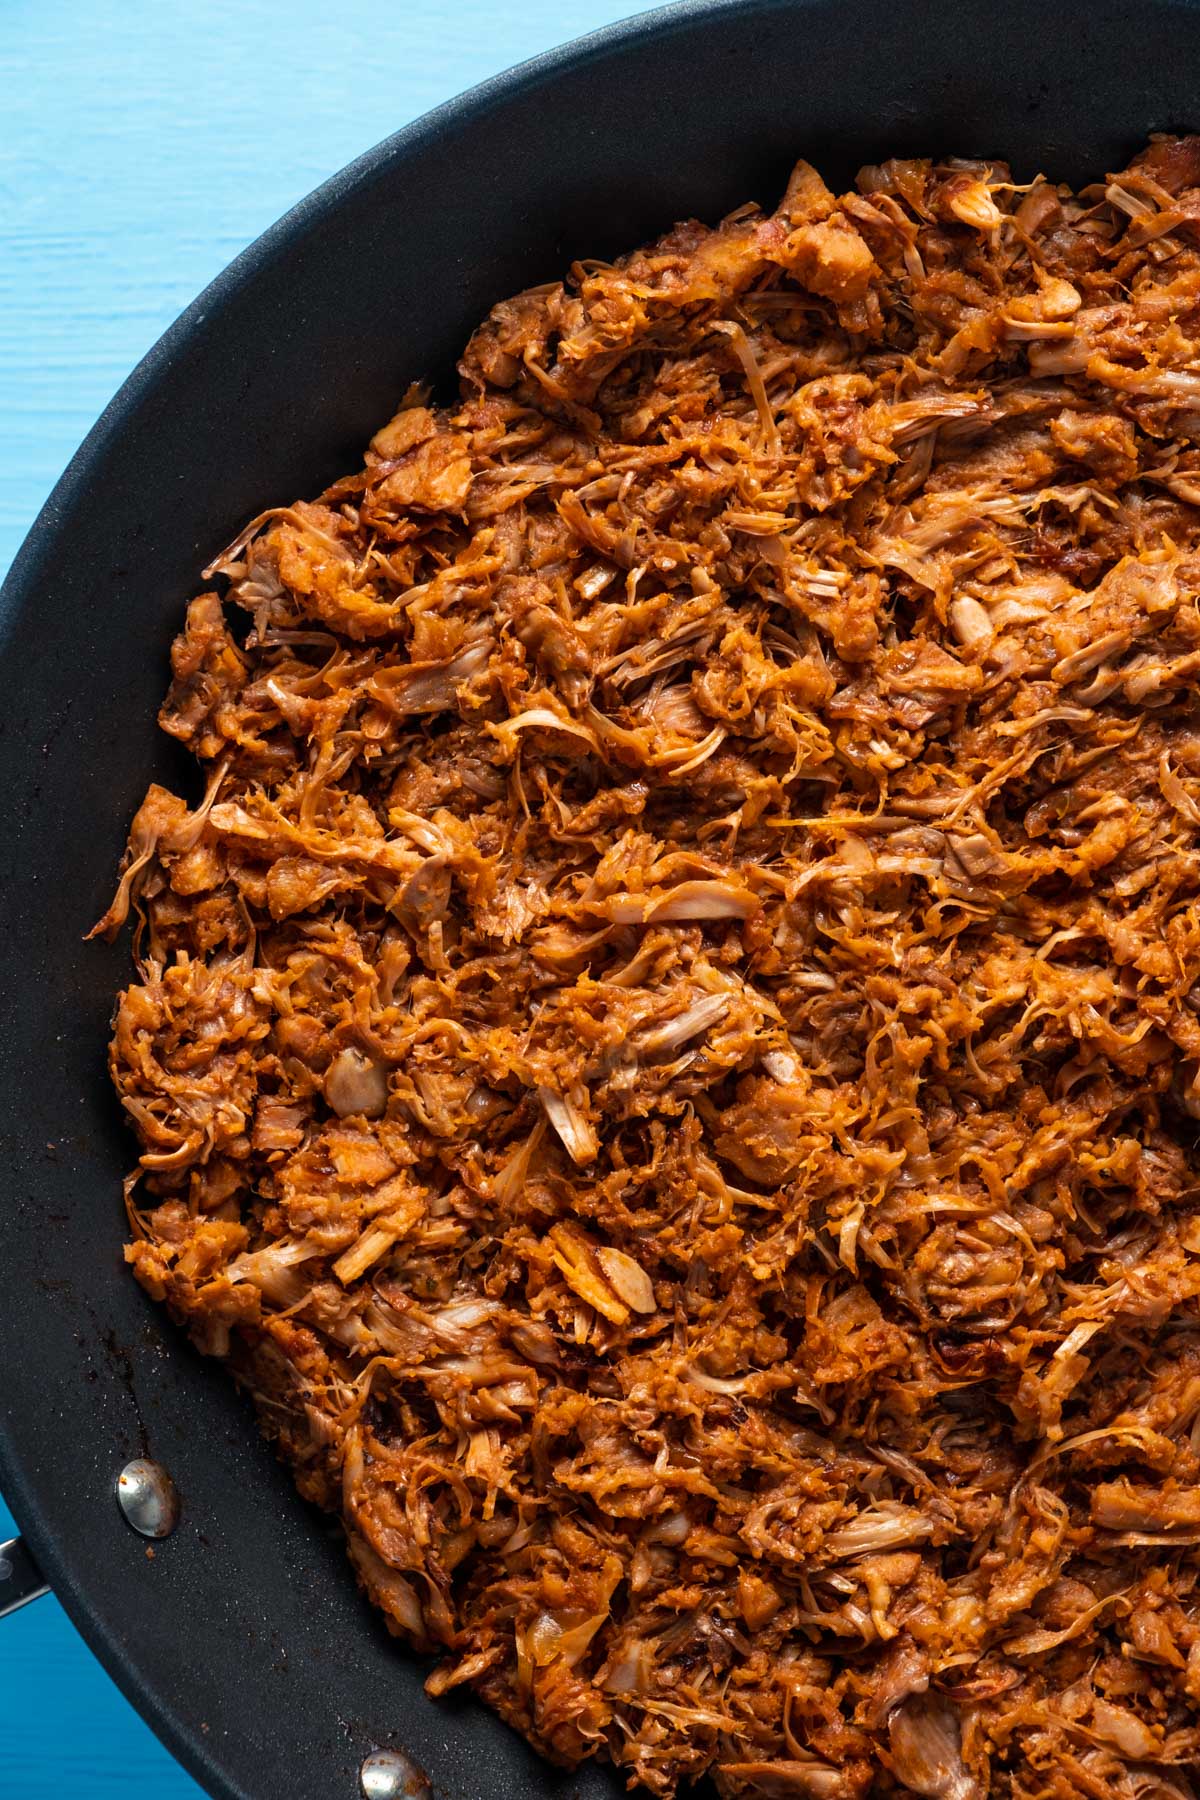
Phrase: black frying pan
(243, 1641)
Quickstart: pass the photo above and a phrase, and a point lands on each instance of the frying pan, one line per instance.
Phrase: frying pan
(243, 1640)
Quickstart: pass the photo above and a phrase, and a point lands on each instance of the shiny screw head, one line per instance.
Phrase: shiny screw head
(390, 1775)
(148, 1498)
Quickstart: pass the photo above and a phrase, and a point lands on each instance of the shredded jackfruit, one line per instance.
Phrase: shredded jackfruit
(667, 1059)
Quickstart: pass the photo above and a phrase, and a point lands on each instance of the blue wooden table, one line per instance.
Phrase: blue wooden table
(142, 146)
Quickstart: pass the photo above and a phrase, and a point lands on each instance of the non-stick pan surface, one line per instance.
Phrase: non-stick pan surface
(243, 1640)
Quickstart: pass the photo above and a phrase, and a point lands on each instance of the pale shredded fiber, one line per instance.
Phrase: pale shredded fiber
(667, 1057)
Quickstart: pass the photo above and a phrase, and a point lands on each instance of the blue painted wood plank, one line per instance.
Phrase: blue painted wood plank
(141, 147)
(64, 1728)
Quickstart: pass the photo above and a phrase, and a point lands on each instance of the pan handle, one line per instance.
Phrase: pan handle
(20, 1578)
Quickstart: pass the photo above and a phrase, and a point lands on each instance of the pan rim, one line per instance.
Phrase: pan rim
(438, 127)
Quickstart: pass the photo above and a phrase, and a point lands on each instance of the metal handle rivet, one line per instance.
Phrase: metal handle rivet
(148, 1498)
(390, 1775)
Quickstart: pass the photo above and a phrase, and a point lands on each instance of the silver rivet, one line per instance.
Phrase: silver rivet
(148, 1498)
(390, 1775)
(6, 1568)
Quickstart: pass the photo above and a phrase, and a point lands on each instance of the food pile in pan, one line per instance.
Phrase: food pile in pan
(667, 1056)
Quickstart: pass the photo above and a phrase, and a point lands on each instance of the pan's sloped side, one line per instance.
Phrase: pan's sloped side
(243, 1640)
